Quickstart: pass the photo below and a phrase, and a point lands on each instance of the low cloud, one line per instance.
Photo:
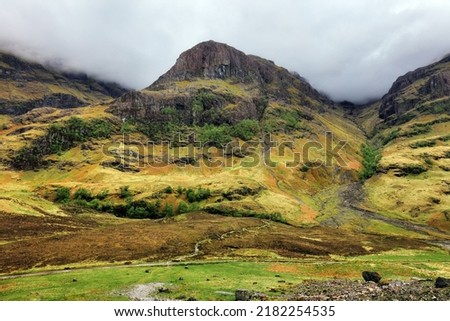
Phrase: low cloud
(350, 50)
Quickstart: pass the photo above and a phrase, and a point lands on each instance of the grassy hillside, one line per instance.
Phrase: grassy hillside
(258, 167)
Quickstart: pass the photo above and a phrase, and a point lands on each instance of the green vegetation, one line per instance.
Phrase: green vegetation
(124, 192)
(413, 169)
(417, 129)
(197, 195)
(204, 281)
(158, 130)
(217, 136)
(423, 143)
(305, 167)
(102, 194)
(414, 130)
(205, 108)
(183, 207)
(62, 194)
(58, 138)
(390, 137)
(83, 194)
(403, 119)
(228, 211)
(168, 211)
(371, 157)
(180, 190)
(291, 120)
(139, 209)
(246, 129)
(436, 108)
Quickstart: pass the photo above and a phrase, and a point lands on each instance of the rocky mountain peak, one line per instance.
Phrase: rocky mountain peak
(209, 60)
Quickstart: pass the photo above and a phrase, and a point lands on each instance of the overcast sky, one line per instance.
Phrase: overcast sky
(349, 49)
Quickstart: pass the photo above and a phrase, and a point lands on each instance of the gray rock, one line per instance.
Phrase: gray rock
(243, 295)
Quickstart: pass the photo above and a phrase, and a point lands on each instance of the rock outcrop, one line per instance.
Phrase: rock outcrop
(416, 87)
(223, 83)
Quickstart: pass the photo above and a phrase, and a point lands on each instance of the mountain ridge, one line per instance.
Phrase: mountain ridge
(26, 85)
(221, 160)
(230, 85)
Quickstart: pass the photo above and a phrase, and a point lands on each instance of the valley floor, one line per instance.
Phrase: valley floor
(335, 278)
(204, 257)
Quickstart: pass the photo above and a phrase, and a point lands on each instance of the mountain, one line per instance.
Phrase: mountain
(226, 153)
(411, 93)
(25, 85)
(236, 86)
(411, 127)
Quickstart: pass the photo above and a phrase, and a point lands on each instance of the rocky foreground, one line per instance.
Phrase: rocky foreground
(348, 290)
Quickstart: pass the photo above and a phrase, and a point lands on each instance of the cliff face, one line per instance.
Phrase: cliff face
(416, 87)
(25, 85)
(224, 84)
(213, 60)
(208, 60)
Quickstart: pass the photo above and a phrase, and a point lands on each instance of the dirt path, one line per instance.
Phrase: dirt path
(181, 260)
(198, 245)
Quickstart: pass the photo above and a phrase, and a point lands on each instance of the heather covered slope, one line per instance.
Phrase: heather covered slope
(411, 127)
(245, 158)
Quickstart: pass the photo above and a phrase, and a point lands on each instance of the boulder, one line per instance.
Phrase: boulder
(243, 295)
(371, 276)
(442, 283)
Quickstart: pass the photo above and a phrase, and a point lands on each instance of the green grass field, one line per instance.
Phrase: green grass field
(217, 281)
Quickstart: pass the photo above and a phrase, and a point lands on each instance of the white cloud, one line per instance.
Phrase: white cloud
(350, 49)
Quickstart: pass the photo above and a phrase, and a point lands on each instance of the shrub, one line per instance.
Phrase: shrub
(269, 126)
(305, 167)
(371, 157)
(142, 209)
(390, 137)
(62, 194)
(180, 190)
(197, 195)
(413, 169)
(246, 129)
(158, 129)
(168, 211)
(217, 136)
(418, 129)
(203, 104)
(102, 194)
(423, 143)
(168, 190)
(58, 138)
(124, 192)
(226, 211)
(183, 207)
(428, 161)
(83, 194)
